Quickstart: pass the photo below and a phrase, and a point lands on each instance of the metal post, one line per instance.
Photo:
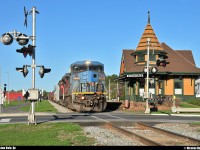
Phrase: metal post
(147, 79)
(31, 117)
(109, 89)
(8, 88)
(117, 92)
(1, 104)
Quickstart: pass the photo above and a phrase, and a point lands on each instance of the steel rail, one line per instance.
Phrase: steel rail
(171, 134)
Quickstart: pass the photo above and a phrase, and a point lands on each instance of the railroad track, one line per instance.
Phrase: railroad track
(164, 137)
(131, 135)
(146, 135)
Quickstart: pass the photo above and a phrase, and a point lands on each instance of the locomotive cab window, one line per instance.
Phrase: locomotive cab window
(98, 68)
(78, 68)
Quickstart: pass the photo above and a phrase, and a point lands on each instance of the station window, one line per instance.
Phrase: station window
(178, 84)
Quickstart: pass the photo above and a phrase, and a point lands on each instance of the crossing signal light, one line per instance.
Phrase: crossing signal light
(24, 70)
(26, 50)
(7, 39)
(161, 62)
(43, 70)
(21, 39)
(4, 91)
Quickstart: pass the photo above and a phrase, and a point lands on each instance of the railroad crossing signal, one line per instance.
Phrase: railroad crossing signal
(7, 39)
(43, 70)
(24, 70)
(26, 50)
(4, 90)
(21, 39)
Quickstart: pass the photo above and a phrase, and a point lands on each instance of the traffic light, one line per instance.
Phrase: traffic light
(24, 70)
(43, 70)
(22, 39)
(161, 62)
(26, 50)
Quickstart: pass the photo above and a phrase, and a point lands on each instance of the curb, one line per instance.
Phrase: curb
(25, 114)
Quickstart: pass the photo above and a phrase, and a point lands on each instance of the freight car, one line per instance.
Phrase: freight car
(83, 88)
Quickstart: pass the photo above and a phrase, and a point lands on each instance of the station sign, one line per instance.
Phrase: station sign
(134, 75)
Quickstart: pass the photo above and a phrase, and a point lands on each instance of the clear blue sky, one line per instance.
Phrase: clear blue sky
(73, 30)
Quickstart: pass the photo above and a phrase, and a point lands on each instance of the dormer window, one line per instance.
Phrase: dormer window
(152, 57)
(141, 58)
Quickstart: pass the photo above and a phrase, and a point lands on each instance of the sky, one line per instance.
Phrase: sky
(73, 30)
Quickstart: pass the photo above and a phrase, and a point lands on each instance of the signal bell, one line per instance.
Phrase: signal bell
(7, 39)
(43, 70)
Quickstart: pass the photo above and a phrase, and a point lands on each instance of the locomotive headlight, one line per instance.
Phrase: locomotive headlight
(87, 62)
(76, 78)
(101, 78)
(82, 97)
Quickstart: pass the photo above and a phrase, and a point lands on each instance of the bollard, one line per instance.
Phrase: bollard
(1, 108)
(126, 103)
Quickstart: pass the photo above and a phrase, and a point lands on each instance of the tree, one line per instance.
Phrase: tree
(113, 85)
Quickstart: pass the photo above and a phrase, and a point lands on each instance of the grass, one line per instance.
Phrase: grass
(162, 112)
(46, 134)
(187, 105)
(43, 106)
(196, 123)
(13, 103)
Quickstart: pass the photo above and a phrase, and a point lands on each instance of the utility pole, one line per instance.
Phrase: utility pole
(8, 87)
(117, 92)
(1, 100)
(109, 89)
(147, 111)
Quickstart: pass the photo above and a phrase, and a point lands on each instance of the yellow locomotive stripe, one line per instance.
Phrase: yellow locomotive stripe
(88, 93)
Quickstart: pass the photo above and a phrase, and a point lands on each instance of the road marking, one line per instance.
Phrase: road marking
(116, 117)
(99, 118)
(5, 120)
(108, 119)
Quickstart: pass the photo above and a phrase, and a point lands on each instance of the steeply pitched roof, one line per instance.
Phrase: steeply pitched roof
(180, 61)
(149, 33)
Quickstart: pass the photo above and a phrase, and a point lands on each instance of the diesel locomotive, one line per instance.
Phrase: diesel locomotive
(83, 88)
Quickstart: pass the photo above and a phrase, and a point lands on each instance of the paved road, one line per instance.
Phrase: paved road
(97, 117)
(15, 115)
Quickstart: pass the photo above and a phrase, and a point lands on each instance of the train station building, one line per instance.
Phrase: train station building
(171, 72)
